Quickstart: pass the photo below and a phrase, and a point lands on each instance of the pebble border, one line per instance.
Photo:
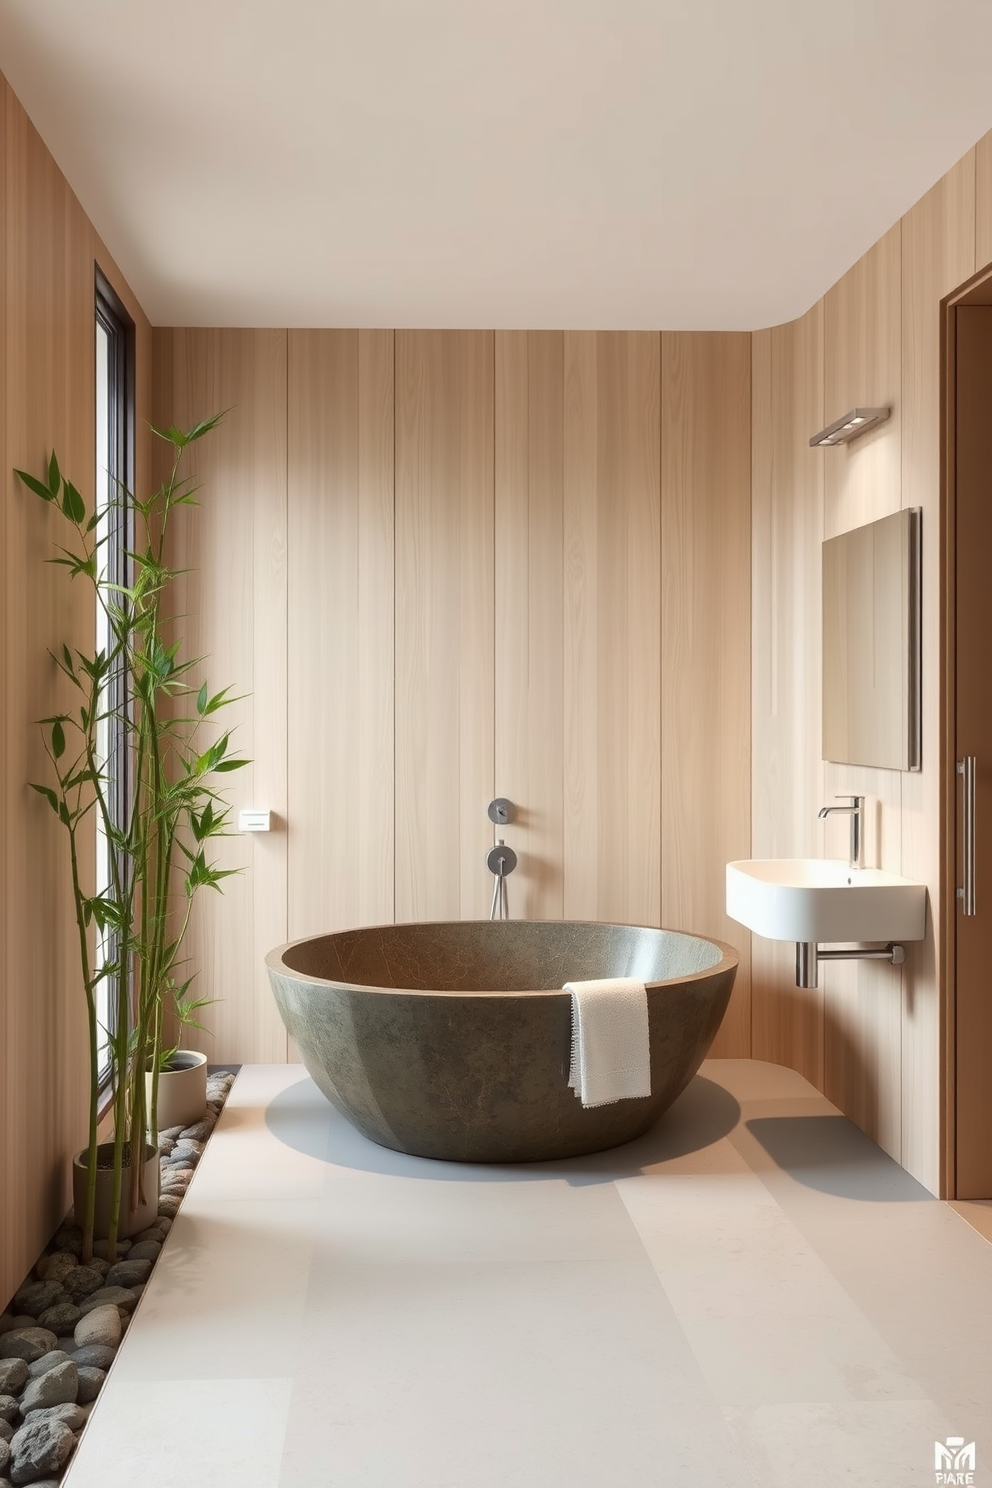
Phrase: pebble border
(60, 1334)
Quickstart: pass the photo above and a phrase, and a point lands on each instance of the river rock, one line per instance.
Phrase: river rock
(94, 1356)
(109, 1295)
(6, 1431)
(8, 1407)
(102, 1325)
(168, 1206)
(90, 1381)
(58, 1319)
(164, 1224)
(39, 1447)
(82, 1282)
(70, 1415)
(100, 1248)
(147, 1250)
(198, 1132)
(38, 1296)
(27, 1344)
(70, 1238)
(56, 1267)
(4, 1454)
(55, 1387)
(13, 1375)
(129, 1273)
(46, 1362)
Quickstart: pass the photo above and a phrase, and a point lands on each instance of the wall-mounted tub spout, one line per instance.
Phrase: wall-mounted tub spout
(501, 861)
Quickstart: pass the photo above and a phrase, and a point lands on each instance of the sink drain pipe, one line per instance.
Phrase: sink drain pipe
(809, 955)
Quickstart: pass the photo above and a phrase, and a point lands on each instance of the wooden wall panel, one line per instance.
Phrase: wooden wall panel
(612, 694)
(233, 613)
(862, 481)
(530, 739)
(444, 623)
(787, 778)
(938, 254)
(340, 634)
(47, 251)
(983, 201)
(706, 641)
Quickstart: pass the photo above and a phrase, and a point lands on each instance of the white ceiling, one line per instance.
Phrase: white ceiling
(509, 163)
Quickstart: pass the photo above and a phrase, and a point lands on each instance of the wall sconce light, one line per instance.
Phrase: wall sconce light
(850, 425)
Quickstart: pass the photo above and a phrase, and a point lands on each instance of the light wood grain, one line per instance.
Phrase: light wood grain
(938, 254)
(529, 638)
(787, 773)
(47, 384)
(444, 623)
(340, 638)
(863, 366)
(612, 693)
(706, 642)
(983, 201)
(234, 615)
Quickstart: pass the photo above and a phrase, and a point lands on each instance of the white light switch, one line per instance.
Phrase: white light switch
(254, 821)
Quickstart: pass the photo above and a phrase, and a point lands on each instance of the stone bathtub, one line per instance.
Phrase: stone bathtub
(453, 1040)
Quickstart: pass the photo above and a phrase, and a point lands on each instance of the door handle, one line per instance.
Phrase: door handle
(966, 769)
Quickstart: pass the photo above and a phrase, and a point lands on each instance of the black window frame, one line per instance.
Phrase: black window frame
(118, 326)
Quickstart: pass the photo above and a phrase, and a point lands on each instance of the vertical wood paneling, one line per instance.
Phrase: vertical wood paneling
(787, 776)
(9, 1178)
(45, 1022)
(234, 615)
(983, 201)
(340, 636)
(47, 385)
(612, 694)
(938, 254)
(444, 623)
(529, 613)
(706, 641)
(862, 481)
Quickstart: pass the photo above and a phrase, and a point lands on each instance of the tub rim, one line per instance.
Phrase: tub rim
(729, 958)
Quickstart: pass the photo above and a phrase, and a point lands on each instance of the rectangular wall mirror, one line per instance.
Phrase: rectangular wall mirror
(871, 644)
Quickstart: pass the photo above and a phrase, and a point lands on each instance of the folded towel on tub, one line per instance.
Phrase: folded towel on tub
(611, 1057)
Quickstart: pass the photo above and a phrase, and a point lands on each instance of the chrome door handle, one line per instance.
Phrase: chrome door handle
(966, 768)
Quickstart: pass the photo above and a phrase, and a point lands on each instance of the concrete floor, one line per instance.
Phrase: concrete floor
(752, 1296)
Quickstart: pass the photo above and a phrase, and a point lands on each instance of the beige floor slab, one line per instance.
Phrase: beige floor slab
(227, 1296)
(751, 1296)
(767, 1320)
(185, 1433)
(877, 1444)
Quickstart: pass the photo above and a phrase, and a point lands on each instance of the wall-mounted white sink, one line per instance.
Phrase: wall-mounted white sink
(824, 900)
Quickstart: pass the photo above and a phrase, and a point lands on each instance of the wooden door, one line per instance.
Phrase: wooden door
(973, 723)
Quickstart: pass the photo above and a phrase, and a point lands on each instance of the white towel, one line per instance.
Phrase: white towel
(611, 1057)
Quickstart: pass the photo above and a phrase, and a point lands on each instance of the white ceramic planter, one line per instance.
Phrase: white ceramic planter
(129, 1223)
(182, 1090)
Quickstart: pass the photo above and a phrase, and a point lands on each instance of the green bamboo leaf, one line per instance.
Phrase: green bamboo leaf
(202, 698)
(204, 427)
(72, 503)
(58, 739)
(54, 476)
(33, 484)
(229, 764)
(49, 795)
(64, 816)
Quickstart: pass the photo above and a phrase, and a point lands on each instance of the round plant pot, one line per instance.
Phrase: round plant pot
(182, 1090)
(129, 1223)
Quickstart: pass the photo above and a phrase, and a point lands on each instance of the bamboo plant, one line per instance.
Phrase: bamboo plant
(131, 932)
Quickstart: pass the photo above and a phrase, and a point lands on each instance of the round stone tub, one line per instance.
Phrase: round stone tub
(453, 1040)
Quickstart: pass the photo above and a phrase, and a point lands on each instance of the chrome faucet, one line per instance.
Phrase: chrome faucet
(856, 810)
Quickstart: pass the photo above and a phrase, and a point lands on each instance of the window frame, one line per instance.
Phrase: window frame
(118, 327)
